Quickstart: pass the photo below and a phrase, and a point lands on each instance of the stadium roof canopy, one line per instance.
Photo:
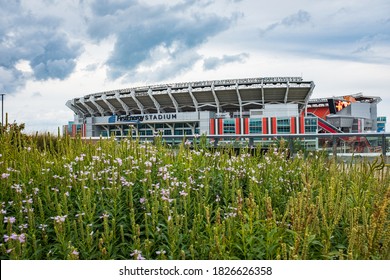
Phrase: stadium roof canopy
(235, 95)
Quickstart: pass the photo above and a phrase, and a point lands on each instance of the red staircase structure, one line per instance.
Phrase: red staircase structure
(358, 144)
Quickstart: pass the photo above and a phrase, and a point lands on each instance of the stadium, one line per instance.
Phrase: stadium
(234, 107)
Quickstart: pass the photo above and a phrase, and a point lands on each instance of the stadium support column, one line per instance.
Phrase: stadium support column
(90, 110)
(240, 104)
(76, 109)
(312, 85)
(302, 129)
(215, 98)
(100, 108)
(286, 94)
(262, 93)
(110, 106)
(293, 127)
(156, 104)
(193, 98)
(139, 104)
(124, 105)
(174, 102)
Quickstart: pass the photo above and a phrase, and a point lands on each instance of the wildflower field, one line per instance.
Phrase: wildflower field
(64, 198)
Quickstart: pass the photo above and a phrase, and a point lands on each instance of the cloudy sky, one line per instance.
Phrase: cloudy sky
(52, 50)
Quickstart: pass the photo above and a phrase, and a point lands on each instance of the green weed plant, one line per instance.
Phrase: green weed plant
(64, 198)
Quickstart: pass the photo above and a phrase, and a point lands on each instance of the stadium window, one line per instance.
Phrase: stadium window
(178, 132)
(310, 125)
(145, 132)
(255, 126)
(229, 126)
(78, 128)
(283, 125)
(187, 132)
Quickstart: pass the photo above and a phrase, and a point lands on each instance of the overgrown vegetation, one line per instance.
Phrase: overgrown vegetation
(63, 198)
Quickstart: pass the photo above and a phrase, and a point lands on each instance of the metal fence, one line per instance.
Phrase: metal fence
(364, 144)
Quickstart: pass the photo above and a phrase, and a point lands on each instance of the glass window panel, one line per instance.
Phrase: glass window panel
(229, 126)
(283, 125)
(255, 126)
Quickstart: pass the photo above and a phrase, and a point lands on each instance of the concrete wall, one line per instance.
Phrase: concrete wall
(280, 110)
(204, 122)
(357, 110)
(361, 110)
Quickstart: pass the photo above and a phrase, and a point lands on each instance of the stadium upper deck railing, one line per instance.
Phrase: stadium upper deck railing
(364, 144)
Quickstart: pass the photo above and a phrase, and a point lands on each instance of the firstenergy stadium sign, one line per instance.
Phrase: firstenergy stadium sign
(142, 118)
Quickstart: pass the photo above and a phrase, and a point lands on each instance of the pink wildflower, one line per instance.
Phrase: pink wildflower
(119, 161)
(104, 215)
(22, 238)
(10, 220)
(162, 252)
(183, 193)
(14, 236)
(60, 219)
(137, 254)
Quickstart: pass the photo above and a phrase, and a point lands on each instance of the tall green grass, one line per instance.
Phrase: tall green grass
(65, 198)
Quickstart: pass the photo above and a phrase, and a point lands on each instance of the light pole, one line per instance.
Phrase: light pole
(2, 108)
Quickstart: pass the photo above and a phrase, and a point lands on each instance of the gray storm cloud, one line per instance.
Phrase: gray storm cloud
(141, 29)
(37, 40)
(155, 42)
(138, 31)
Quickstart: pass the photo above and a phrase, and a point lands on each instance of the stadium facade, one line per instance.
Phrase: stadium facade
(266, 106)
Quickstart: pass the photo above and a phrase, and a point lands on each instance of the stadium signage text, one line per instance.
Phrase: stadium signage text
(146, 117)
(237, 81)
